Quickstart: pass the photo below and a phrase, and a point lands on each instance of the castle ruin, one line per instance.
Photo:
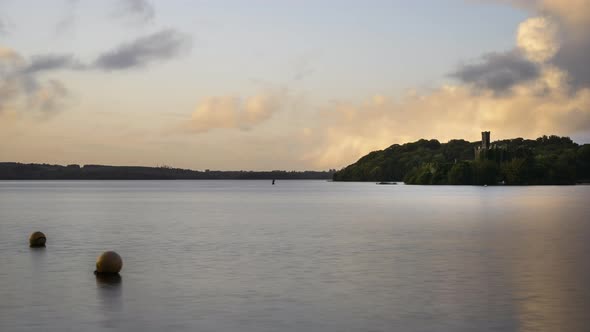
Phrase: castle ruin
(481, 151)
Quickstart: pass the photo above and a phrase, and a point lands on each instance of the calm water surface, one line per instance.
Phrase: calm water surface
(297, 256)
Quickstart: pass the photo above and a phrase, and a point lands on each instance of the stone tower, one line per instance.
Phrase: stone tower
(485, 140)
(481, 151)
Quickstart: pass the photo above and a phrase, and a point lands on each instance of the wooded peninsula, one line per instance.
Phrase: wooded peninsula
(547, 160)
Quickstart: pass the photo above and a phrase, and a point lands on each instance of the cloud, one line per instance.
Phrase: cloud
(141, 10)
(573, 57)
(498, 72)
(139, 53)
(48, 62)
(537, 37)
(557, 37)
(159, 46)
(570, 12)
(9, 58)
(21, 89)
(573, 17)
(570, 23)
(48, 97)
(9, 91)
(9, 86)
(232, 112)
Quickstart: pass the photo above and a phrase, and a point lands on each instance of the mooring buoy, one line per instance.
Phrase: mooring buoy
(37, 240)
(109, 262)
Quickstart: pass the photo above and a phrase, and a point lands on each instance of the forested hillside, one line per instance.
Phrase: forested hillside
(546, 160)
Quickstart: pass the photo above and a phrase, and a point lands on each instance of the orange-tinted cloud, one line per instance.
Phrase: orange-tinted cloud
(233, 112)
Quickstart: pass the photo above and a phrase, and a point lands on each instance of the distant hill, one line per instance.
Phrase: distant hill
(546, 160)
(19, 171)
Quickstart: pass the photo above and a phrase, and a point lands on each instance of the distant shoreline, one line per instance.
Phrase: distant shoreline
(21, 171)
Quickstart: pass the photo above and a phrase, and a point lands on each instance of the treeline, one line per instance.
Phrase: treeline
(546, 160)
(19, 171)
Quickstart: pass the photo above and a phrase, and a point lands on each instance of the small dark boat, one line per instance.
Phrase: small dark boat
(382, 182)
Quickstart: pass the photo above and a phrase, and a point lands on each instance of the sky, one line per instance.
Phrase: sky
(294, 85)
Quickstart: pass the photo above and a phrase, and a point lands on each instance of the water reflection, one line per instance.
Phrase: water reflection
(112, 281)
(38, 258)
(37, 249)
(548, 284)
(109, 290)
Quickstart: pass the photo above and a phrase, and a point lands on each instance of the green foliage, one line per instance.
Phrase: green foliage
(516, 171)
(546, 160)
(460, 173)
(420, 175)
(485, 172)
(397, 161)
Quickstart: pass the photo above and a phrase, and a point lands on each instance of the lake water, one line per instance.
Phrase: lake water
(297, 256)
